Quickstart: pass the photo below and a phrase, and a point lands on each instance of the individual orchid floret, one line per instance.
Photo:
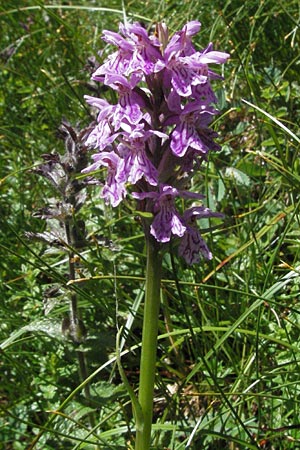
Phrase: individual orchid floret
(129, 104)
(167, 220)
(136, 163)
(146, 51)
(180, 73)
(101, 135)
(114, 190)
(184, 69)
(119, 61)
(192, 245)
(182, 42)
(192, 131)
(137, 52)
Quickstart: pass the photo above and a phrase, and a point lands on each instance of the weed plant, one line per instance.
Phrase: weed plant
(228, 348)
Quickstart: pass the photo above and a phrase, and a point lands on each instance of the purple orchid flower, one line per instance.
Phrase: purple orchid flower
(119, 61)
(187, 68)
(192, 245)
(130, 103)
(136, 163)
(146, 52)
(182, 42)
(114, 190)
(101, 135)
(192, 131)
(159, 131)
(167, 220)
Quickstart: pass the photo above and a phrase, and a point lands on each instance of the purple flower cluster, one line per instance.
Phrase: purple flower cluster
(158, 132)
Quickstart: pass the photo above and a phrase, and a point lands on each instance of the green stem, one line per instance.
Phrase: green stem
(149, 344)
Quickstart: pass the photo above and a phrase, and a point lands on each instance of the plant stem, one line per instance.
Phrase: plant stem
(149, 343)
(74, 319)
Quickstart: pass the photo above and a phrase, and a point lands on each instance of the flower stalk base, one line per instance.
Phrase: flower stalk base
(149, 344)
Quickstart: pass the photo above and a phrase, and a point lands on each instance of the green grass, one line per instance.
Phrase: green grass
(228, 349)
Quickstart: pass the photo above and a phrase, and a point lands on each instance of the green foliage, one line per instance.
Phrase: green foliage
(228, 352)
